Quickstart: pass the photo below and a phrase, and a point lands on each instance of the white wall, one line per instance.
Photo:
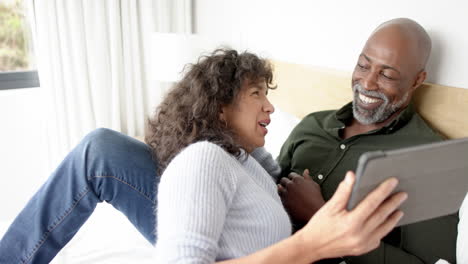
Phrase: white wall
(23, 148)
(331, 33)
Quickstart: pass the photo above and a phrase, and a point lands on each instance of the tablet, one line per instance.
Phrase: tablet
(435, 176)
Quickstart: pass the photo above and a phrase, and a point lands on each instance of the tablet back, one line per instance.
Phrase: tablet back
(435, 176)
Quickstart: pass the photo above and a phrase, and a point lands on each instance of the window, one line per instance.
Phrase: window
(17, 64)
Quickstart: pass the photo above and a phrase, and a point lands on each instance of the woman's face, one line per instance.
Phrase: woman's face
(249, 115)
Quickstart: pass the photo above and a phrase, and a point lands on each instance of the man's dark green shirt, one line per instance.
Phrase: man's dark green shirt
(316, 144)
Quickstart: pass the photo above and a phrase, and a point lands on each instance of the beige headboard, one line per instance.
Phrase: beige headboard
(304, 89)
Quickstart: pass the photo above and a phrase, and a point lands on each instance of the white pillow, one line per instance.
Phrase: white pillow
(282, 123)
(462, 239)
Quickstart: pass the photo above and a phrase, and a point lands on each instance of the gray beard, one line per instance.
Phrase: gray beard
(379, 114)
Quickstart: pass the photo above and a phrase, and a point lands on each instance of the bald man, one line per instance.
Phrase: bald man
(326, 144)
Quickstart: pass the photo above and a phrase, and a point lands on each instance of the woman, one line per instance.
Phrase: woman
(217, 200)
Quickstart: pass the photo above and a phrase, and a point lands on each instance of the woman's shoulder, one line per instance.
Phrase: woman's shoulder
(205, 149)
(203, 155)
(204, 162)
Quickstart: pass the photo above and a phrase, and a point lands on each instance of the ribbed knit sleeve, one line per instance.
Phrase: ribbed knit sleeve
(267, 162)
(194, 195)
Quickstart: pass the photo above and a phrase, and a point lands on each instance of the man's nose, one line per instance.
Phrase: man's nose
(369, 82)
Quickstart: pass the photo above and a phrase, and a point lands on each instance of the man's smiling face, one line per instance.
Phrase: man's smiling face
(384, 77)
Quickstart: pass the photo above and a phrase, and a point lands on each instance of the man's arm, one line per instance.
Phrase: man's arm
(286, 153)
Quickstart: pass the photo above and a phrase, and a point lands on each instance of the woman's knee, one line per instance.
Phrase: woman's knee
(116, 149)
(103, 141)
(101, 136)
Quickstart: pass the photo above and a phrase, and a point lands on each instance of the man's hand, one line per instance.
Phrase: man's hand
(301, 196)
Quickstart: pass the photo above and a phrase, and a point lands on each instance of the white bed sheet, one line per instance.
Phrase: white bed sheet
(107, 237)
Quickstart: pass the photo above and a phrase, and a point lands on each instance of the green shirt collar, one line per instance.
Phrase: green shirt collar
(344, 116)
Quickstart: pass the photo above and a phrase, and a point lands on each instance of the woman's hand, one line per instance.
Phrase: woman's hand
(334, 231)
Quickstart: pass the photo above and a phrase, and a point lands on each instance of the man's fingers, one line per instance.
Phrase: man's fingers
(281, 189)
(285, 182)
(373, 200)
(295, 177)
(340, 198)
(305, 174)
(388, 207)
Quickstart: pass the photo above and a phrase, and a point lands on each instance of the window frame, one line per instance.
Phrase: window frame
(19, 80)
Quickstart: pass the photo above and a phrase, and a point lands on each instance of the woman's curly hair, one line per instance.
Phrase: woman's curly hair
(190, 111)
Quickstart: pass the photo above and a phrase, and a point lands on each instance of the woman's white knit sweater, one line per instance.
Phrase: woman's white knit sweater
(214, 206)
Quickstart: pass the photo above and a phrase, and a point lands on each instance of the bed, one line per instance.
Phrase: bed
(109, 238)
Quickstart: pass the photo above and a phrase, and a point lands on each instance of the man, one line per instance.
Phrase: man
(326, 144)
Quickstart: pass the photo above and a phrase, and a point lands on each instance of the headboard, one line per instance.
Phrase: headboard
(304, 89)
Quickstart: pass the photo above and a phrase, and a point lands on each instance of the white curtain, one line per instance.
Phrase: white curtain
(92, 60)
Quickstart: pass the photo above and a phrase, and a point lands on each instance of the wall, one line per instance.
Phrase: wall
(23, 148)
(331, 33)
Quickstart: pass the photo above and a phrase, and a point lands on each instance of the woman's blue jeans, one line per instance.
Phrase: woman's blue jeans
(105, 166)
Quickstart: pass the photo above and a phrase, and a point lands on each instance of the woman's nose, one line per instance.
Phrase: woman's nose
(268, 107)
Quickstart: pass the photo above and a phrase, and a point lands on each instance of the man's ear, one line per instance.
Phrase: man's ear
(420, 78)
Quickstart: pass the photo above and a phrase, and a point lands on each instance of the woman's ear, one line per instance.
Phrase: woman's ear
(222, 116)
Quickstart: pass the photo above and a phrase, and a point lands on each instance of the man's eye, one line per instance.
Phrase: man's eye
(387, 76)
(360, 66)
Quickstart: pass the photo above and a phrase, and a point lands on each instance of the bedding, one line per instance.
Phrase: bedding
(109, 238)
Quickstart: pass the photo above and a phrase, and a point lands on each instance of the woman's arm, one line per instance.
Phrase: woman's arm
(335, 231)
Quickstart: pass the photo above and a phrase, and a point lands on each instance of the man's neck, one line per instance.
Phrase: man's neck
(356, 128)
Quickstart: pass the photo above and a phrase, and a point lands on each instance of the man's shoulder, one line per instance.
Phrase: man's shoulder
(418, 127)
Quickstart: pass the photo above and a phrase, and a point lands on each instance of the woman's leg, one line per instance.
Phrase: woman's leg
(105, 166)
